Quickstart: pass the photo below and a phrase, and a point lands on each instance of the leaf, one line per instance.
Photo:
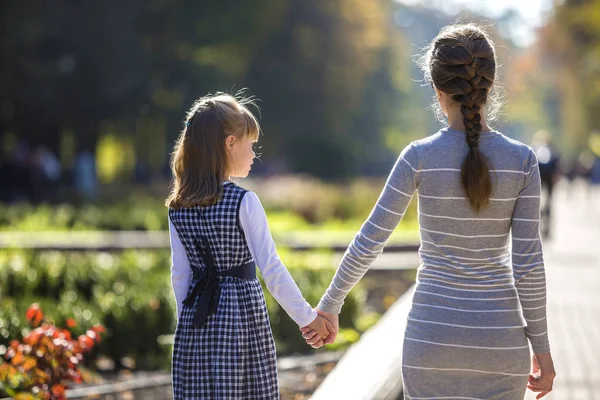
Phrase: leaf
(17, 359)
(91, 334)
(66, 334)
(86, 342)
(30, 362)
(24, 396)
(34, 337)
(58, 390)
(98, 329)
(51, 331)
(42, 375)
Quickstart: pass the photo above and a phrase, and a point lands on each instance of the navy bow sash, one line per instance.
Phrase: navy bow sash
(206, 292)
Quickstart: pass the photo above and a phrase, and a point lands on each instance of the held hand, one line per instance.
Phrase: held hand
(315, 332)
(334, 320)
(321, 326)
(312, 337)
(542, 378)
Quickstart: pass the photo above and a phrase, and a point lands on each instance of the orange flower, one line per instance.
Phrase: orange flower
(34, 314)
(54, 349)
(58, 391)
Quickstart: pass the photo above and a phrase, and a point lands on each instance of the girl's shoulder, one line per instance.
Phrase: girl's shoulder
(233, 187)
(233, 191)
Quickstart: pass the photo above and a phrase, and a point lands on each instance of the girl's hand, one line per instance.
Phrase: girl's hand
(543, 374)
(312, 337)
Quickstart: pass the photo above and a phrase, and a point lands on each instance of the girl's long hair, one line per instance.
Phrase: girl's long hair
(199, 161)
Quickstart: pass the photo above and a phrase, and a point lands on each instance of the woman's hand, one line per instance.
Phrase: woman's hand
(542, 378)
(313, 338)
(321, 326)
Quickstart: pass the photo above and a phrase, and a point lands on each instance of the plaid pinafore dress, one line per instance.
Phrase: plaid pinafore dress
(223, 345)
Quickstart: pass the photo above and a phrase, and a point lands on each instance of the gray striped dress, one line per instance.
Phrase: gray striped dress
(480, 297)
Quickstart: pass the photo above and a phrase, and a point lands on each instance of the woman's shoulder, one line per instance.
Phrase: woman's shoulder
(519, 152)
(505, 150)
(446, 137)
(423, 145)
(513, 142)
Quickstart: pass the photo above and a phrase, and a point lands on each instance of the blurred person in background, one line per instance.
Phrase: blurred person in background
(549, 161)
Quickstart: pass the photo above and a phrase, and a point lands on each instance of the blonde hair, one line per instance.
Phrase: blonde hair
(199, 160)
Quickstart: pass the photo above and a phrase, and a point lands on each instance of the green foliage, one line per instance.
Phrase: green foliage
(133, 213)
(130, 295)
(46, 361)
(554, 84)
(293, 203)
(331, 76)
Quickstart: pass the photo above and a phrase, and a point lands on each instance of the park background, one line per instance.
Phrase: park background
(93, 95)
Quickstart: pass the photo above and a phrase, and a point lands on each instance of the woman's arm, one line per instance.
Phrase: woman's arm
(528, 260)
(373, 235)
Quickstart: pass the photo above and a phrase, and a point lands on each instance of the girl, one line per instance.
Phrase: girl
(223, 346)
(473, 310)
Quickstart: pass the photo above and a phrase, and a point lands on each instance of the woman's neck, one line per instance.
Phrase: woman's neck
(455, 119)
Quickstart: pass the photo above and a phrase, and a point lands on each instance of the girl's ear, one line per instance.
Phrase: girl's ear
(229, 142)
(438, 92)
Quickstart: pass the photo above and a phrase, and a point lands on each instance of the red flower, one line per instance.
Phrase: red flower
(58, 391)
(47, 355)
(34, 315)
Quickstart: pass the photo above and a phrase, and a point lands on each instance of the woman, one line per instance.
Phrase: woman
(473, 311)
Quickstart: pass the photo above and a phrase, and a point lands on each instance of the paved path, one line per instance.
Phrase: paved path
(573, 274)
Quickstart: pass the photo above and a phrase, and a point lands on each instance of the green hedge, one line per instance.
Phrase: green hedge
(130, 294)
(305, 204)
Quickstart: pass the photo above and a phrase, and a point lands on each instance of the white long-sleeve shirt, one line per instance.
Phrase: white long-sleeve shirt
(278, 280)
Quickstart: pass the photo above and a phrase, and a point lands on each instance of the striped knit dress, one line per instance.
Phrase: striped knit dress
(480, 297)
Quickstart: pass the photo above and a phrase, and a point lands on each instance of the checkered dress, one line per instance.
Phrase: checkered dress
(232, 356)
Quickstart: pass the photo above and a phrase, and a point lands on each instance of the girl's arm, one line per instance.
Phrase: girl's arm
(280, 283)
(181, 272)
(373, 235)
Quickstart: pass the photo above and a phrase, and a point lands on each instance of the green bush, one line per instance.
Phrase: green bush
(133, 213)
(318, 202)
(304, 203)
(130, 294)
(47, 360)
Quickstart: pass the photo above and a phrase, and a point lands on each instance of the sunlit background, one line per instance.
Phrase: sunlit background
(92, 98)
